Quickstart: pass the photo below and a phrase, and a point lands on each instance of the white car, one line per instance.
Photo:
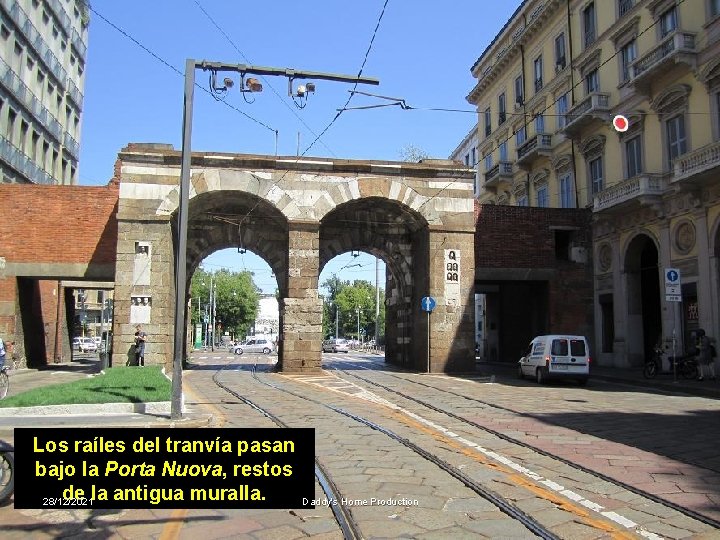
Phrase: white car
(259, 345)
(87, 344)
(556, 357)
(336, 345)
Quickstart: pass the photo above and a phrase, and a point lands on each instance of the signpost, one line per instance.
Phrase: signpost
(428, 304)
(673, 294)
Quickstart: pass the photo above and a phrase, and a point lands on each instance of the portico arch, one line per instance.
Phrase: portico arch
(642, 280)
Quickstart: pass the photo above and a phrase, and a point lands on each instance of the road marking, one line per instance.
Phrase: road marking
(450, 437)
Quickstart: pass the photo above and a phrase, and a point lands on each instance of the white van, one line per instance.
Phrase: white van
(557, 356)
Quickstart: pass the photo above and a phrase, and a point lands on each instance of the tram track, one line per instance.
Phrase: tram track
(707, 520)
(343, 514)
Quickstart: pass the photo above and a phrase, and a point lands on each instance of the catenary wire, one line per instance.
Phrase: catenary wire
(284, 102)
(176, 70)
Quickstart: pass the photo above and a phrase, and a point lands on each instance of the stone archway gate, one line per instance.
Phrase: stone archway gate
(298, 213)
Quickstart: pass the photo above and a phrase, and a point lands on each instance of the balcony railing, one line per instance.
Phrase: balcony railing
(23, 94)
(23, 22)
(60, 14)
(75, 94)
(625, 6)
(594, 105)
(77, 42)
(14, 157)
(695, 163)
(675, 46)
(503, 170)
(637, 189)
(540, 144)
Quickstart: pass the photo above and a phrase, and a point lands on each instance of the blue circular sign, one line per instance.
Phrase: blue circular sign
(672, 276)
(427, 303)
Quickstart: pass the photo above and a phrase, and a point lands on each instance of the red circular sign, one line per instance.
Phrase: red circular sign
(620, 123)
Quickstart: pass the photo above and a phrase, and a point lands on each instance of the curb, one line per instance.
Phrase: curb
(152, 408)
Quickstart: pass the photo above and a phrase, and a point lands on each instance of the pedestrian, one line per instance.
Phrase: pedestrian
(3, 352)
(140, 339)
(705, 356)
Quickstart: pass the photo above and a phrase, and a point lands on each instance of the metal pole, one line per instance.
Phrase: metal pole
(377, 302)
(337, 322)
(214, 315)
(103, 342)
(428, 342)
(181, 259)
(675, 342)
(358, 333)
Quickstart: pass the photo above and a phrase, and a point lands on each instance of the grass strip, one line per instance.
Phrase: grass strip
(115, 385)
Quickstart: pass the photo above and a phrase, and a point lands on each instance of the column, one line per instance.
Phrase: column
(301, 310)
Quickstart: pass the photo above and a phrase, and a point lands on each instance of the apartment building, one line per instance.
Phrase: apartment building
(548, 88)
(43, 46)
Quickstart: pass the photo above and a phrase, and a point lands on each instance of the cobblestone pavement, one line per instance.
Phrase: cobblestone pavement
(659, 442)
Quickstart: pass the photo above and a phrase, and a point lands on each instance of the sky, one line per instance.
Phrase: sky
(420, 50)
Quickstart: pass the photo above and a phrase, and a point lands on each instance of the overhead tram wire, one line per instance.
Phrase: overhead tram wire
(337, 115)
(552, 104)
(176, 70)
(265, 80)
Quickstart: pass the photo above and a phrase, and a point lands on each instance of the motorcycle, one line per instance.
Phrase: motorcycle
(7, 469)
(686, 365)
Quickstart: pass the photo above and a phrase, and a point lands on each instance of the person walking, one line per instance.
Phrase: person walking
(3, 352)
(705, 357)
(140, 339)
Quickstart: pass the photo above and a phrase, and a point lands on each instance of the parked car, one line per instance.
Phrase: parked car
(336, 345)
(259, 345)
(87, 344)
(76, 344)
(556, 357)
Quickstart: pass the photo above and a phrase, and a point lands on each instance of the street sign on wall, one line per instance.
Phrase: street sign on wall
(672, 285)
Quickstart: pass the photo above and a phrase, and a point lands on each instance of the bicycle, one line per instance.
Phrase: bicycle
(7, 469)
(686, 365)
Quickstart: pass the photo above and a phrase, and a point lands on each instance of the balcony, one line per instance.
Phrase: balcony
(676, 48)
(644, 190)
(539, 145)
(698, 165)
(14, 157)
(594, 106)
(502, 171)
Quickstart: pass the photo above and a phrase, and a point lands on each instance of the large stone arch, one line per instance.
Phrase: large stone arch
(398, 234)
(279, 208)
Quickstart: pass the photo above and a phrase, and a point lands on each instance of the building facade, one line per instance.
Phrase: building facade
(43, 46)
(548, 88)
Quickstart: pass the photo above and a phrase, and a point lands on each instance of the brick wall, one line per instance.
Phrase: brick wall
(65, 224)
(46, 231)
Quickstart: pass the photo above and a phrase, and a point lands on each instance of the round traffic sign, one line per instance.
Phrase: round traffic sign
(427, 303)
(620, 123)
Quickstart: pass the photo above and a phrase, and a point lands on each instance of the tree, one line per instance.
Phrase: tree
(236, 300)
(413, 154)
(347, 300)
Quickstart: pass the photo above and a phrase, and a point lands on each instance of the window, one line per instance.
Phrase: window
(503, 151)
(560, 52)
(17, 59)
(4, 32)
(567, 198)
(539, 124)
(542, 196)
(473, 157)
(577, 347)
(46, 151)
(538, 71)
(561, 106)
(520, 136)
(522, 200)
(488, 122)
(45, 17)
(624, 6)
(488, 162)
(559, 347)
(501, 108)
(596, 175)
(519, 98)
(562, 244)
(668, 21)
(714, 8)
(676, 141)
(24, 127)
(12, 116)
(35, 141)
(627, 55)
(467, 160)
(592, 83)
(633, 155)
(588, 17)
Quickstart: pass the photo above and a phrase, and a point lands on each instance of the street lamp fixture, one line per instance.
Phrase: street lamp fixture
(253, 85)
